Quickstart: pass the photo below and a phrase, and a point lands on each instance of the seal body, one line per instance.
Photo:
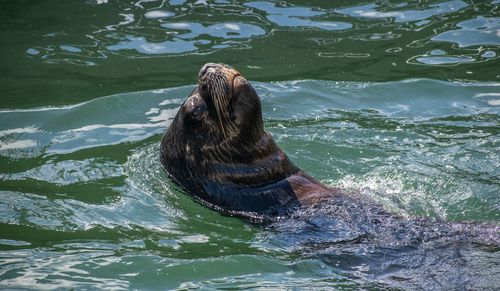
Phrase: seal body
(217, 150)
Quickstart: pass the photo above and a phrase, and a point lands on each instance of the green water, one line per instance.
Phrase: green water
(396, 100)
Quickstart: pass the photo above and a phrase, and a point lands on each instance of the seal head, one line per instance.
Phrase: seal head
(217, 149)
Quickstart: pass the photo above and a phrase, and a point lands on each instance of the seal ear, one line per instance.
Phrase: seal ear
(246, 110)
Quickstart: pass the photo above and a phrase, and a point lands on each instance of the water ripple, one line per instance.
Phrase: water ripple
(141, 45)
(401, 13)
(296, 16)
(478, 31)
(402, 38)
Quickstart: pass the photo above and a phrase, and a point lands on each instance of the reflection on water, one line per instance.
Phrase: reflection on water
(154, 14)
(167, 28)
(433, 59)
(220, 30)
(400, 12)
(85, 49)
(141, 45)
(296, 16)
(477, 31)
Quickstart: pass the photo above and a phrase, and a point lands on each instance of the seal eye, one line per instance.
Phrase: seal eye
(195, 108)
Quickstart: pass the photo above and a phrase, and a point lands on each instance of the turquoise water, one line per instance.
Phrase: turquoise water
(396, 100)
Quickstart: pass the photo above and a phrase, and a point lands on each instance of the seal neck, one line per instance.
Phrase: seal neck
(270, 199)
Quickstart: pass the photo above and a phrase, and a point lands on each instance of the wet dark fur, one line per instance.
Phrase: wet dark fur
(217, 150)
(227, 159)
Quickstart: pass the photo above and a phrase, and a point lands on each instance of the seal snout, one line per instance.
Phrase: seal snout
(207, 68)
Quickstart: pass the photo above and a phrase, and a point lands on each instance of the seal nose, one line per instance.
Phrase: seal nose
(206, 67)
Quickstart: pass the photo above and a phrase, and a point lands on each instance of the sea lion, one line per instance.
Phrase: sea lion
(217, 150)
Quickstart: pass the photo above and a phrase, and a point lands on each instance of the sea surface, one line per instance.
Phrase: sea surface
(395, 100)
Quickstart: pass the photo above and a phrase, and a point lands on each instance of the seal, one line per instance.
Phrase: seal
(217, 150)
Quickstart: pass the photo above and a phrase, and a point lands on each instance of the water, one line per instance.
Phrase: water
(396, 100)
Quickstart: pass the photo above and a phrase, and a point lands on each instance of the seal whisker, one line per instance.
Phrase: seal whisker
(220, 117)
(219, 92)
